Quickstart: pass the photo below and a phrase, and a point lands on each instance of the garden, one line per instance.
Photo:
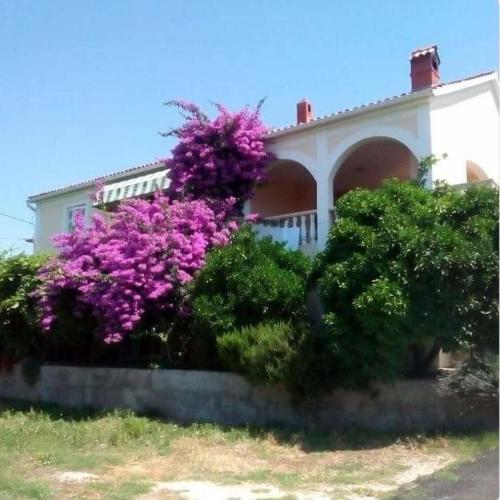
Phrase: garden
(181, 280)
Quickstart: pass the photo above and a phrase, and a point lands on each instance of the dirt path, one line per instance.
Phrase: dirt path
(224, 489)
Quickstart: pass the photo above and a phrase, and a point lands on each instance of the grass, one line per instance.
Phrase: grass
(131, 453)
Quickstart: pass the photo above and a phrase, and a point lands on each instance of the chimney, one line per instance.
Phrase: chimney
(424, 68)
(304, 111)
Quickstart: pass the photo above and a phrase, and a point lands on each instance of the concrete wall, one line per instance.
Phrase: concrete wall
(189, 396)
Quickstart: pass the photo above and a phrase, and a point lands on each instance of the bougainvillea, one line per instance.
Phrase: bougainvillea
(139, 261)
(218, 158)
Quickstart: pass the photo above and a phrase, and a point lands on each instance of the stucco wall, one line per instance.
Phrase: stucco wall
(465, 126)
(189, 396)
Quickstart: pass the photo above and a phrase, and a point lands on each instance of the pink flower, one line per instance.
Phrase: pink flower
(252, 218)
(201, 170)
(138, 262)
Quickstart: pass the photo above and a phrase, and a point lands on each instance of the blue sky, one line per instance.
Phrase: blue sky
(82, 82)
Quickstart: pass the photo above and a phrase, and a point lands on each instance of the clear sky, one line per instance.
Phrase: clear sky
(82, 82)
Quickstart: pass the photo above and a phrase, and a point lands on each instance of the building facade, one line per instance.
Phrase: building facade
(320, 159)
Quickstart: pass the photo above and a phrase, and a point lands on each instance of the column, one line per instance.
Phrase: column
(324, 189)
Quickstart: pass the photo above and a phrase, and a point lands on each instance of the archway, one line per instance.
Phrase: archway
(286, 203)
(368, 163)
(289, 188)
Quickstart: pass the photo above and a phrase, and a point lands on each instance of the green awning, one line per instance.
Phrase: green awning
(134, 187)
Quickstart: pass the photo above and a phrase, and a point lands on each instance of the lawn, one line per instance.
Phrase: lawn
(49, 452)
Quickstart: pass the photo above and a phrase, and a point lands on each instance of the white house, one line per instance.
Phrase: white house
(319, 159)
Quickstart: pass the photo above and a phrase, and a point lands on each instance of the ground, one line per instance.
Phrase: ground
(476, 480)
(47, 452)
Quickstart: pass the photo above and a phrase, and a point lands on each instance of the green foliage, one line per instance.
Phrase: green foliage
(406, 267)
(247, 282)
(19, 334)
(425, 165)
(263, 353)
(278, 352)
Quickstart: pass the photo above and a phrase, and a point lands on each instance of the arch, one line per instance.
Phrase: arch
(345, 147)
(290, 188)
(303, 159)
(369, 162)
(474, 172)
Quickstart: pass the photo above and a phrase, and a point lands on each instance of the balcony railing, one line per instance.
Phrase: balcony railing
(306, 222)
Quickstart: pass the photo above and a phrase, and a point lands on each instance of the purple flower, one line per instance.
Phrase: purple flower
(139, 261)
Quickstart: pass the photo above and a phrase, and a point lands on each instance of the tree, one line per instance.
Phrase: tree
(409, 268)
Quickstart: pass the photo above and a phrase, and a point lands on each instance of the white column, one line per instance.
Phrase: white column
(324, 190)
(302, 223)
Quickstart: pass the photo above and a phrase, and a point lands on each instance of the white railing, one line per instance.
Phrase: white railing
(306, 221)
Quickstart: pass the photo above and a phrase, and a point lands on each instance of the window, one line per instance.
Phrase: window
(72, 213)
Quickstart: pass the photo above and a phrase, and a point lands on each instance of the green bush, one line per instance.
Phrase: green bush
(247, 282)
(406, 268)
(263, 353)
(279, 353)
(19, 334)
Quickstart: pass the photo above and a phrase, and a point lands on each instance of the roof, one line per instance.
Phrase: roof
(388, 101)
(121, 174)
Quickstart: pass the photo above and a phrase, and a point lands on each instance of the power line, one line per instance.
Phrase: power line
(17, 218)
(13, 238)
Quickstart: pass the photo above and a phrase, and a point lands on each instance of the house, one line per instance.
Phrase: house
(320, 159)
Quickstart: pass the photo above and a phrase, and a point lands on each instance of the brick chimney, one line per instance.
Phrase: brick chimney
(304, 111)
(424, 68)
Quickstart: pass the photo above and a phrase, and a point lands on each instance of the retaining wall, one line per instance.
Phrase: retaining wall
(225, 398)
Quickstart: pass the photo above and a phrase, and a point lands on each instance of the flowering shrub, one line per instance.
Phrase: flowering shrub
(120, 275)
(217, 159)
(118, 271)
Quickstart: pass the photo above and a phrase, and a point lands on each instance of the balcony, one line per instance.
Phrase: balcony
(298, 230)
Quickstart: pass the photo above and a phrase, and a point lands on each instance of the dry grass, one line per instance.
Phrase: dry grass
(132, 455)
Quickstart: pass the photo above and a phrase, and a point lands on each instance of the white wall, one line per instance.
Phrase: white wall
(50, 217)
(465, 126)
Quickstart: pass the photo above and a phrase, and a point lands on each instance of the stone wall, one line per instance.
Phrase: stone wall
(189, 396)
